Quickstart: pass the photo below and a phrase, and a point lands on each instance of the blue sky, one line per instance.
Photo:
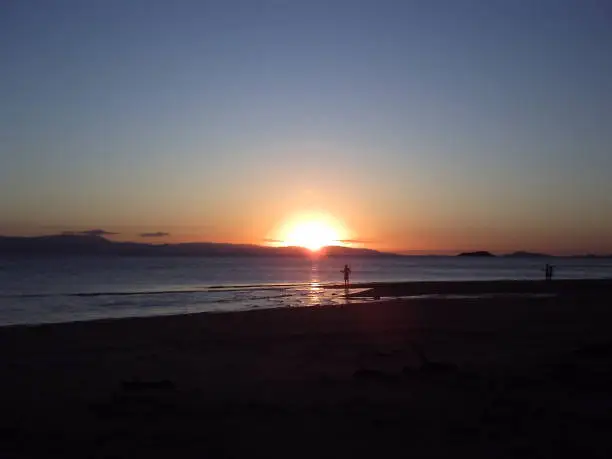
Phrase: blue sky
(422, 124)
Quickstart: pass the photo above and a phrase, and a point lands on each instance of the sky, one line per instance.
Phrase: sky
(424, 126)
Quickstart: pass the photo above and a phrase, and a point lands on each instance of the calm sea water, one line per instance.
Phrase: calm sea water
(84, 288)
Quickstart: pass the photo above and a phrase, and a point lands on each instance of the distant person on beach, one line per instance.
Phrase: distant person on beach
(548, 271)
(347, 273)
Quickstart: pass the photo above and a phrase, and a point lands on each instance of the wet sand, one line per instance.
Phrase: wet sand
(489, 377)
(499, 287)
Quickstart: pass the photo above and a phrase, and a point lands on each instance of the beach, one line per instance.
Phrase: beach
(527, 374)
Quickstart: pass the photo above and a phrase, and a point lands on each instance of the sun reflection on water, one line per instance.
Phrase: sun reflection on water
(315, 291)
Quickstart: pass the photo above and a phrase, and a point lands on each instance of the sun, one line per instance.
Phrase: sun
(313, 235)
(312, 231)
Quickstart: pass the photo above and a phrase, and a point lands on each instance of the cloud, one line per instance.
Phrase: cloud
(273, 240)
(354, 241)
(156, 234)
(91, 232)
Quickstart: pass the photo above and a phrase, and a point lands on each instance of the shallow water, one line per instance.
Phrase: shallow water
(68, 289)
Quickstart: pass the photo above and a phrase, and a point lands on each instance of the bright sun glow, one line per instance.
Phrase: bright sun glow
(312, 231)
(312, 235)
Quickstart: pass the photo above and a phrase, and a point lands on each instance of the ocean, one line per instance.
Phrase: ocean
(48, 290)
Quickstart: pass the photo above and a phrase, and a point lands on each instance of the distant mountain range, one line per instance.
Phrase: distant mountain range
(520, 254)
(480, 253)
(69, 244)
(88, 244)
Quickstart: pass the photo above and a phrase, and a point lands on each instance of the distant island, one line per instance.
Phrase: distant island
(480, 253)
(69, 244)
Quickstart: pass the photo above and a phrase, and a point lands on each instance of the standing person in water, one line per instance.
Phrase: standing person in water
(347, 274)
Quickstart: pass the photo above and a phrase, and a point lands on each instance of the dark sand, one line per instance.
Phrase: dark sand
(504, 377)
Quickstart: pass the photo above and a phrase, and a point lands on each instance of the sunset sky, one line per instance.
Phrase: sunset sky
(418, 126)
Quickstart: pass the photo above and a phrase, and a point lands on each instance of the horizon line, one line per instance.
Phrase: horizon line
(403, 253)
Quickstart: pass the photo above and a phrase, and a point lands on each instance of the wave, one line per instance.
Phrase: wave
(203, 289)
(93, 294)
(206, 289)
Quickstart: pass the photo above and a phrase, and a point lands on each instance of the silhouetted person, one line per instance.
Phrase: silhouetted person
(548, 271)
(347, 273)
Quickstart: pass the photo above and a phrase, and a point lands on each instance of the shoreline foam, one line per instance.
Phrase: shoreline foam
(297, 296)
